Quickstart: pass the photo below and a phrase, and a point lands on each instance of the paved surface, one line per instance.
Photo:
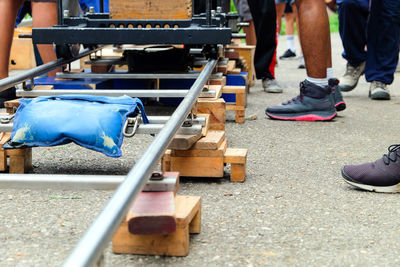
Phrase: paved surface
(293, 210)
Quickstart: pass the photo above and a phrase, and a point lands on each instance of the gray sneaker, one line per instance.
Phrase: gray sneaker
(271, 86)
(379, 91)
(350, 78)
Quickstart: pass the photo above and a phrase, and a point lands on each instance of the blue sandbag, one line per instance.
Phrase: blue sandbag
(94, 122)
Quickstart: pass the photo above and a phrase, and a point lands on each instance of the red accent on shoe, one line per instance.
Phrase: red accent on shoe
(309, 117)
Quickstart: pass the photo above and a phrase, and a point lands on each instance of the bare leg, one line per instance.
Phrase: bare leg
(289, 19)
(280, 8)
(250, 33)
(314, 28)
(8, 15)
(44, 14)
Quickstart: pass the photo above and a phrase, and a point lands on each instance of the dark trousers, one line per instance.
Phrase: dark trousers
(264, 16)
(376, 26)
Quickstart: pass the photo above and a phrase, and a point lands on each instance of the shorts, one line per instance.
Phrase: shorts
(243, 9)
(284, 1)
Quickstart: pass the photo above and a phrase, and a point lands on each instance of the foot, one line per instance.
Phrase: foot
(302, 64)
(271, 86)
(288, 54)
(7, 95)
(337, 95)
(381, 176)
(350, 78)
(314, 103)
(379, 91)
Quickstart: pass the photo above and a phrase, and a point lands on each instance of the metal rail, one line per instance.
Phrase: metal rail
(30, 74)
(126, 75)
(91, 246)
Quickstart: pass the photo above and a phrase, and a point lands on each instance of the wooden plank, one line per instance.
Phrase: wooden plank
(152, 213)
(198, 166)
(247, 52)
(235, 155)
(218, 91)
(218, 81)
(233, 89)
(217, 111)
(240, 116)
(234, 107)
(206, 127)
(211, 141)
(183, 141)
(43, 87)
(3, 157)
(150, 9)
(22, 56)
(231, 65)
(201, 153)
(188, 218)
(166, 161)
(238, 172)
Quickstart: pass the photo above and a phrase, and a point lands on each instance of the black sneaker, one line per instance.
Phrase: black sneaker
(314, 103)
(381, 176)
(6, 95)
(337, 95)
(288, 55)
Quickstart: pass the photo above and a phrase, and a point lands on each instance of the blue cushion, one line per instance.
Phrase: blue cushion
(94, 122)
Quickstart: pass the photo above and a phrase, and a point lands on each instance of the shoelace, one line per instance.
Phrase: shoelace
(379, 84)
(298, 98)
(394, 152)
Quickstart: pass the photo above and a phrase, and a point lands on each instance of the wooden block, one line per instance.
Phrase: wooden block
(11, 104)
(232, 106)
(152, 213)
(188, 220)
(184, 142)
(206, 127)
(20, 160)
(216, 88)
(22, 56)
(218, 81)
(233, 89)
(217, 111)
(235, 71)
(240, 116)
(201, 153)
(235, 155)
(198, 166)
(150, 9)
(166, 161)
(211, 141)
(42, 87)
(231, 54)
(97, 68)
(4, 137)
(238, 172)
(231, 65)
(223, 68)
(247, 52)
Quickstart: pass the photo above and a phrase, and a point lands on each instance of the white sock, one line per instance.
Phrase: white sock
(322, 82)
(290, 42)
(329, 73)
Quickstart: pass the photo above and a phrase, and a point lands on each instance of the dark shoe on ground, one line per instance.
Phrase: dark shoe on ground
(350, 78)
(381, 176)
(337, 95)
(314, 103)
(379, 91)
(289, 54)
(6, 95)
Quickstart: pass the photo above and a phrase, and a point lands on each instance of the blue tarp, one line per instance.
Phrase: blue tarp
(94, 122)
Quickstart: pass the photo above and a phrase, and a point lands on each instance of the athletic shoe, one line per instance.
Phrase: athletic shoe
(379, 91)
(302, 64)
(288, 54)
(381, 176)
(350, 78)
(6, 95)
(337, 95)
(314, 103)
(271, 86)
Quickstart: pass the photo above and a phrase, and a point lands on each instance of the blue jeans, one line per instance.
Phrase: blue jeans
(377, 27)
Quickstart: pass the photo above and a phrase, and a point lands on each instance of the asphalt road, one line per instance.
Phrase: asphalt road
(293, 210)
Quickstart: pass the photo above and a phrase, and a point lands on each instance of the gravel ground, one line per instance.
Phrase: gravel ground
(293, 210)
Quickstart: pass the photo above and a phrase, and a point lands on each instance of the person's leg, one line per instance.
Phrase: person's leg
(8, 13)
(280, 8)
(383, 32)
(250, 33)
(353, 16)
(44, 14)
(290, 53)
(315, 102)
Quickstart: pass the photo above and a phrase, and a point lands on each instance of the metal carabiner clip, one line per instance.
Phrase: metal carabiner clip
(128, 124)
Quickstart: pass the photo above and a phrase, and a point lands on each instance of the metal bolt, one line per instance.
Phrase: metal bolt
(91, 10)
(66, 13)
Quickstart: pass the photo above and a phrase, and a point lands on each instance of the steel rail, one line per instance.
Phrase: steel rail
(91, 246)
(126, 75)
(30, 74)
(112, 92)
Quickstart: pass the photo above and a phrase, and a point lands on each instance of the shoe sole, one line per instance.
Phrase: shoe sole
(347, 88)
(380, 95)
(371, 188)
(302, 117)
(288, 58)
(340, 106)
